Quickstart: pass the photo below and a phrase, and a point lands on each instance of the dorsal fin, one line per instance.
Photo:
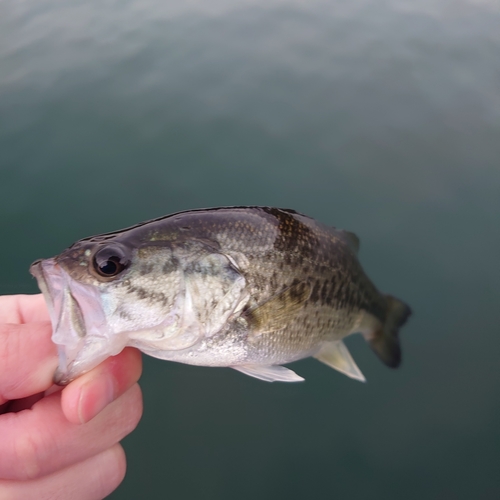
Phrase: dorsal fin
(352, 240)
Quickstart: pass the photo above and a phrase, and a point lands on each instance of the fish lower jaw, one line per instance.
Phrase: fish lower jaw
(77, 360)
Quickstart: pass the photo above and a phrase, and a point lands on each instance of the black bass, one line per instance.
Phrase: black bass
(250, 288)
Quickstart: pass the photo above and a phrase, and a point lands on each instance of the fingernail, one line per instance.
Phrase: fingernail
(94, 397)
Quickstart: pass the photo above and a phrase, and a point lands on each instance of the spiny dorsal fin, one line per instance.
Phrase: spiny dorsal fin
(276, 312)
(336, 355)
(352, 240)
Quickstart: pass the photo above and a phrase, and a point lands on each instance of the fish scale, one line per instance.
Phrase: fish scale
(249, 288)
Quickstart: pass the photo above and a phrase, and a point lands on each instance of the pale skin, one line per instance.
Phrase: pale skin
(59, 444)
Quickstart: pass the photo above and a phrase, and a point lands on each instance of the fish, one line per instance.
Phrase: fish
(251, 288)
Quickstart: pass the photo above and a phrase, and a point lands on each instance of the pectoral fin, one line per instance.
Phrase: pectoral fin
(269, 373)
(275, 313)
(336, 355)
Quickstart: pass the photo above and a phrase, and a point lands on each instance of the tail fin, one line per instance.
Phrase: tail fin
(385, 341)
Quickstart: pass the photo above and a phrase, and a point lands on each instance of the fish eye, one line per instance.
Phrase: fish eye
(110, 261)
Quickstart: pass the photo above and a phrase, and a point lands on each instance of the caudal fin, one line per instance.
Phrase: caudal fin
(385, 341)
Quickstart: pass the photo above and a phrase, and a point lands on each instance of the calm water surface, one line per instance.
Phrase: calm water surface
(382, 117)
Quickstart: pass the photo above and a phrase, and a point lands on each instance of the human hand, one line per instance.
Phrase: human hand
(59, 444)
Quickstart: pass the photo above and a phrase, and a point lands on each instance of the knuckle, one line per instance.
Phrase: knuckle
(9, 493)
(9, 350)
(111, 471)
(27, 459)
(128, 412)
(136, 407)
(120, 466)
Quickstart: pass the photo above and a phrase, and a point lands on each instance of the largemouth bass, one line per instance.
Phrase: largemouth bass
(250, 288)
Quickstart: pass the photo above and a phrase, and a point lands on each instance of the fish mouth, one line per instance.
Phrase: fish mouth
(78, 321)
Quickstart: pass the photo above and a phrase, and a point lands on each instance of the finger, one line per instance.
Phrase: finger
(23, 309)
(92, 479)
(41, 441)
(89, 394)
(28, 360)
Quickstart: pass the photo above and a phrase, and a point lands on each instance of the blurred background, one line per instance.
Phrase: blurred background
(378, 116)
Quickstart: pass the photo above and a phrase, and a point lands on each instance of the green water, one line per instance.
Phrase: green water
(381, 117)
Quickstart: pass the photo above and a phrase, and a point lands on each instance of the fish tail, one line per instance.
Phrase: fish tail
(384, 341)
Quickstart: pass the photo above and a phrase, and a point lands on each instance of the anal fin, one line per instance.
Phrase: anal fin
(269, 373)
(336, 355)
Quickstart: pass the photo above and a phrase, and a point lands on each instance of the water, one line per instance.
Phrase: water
(379, 117)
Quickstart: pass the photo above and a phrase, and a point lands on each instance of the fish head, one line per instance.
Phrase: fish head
(104, 293)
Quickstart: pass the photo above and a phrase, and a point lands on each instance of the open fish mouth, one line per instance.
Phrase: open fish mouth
(78, 321)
